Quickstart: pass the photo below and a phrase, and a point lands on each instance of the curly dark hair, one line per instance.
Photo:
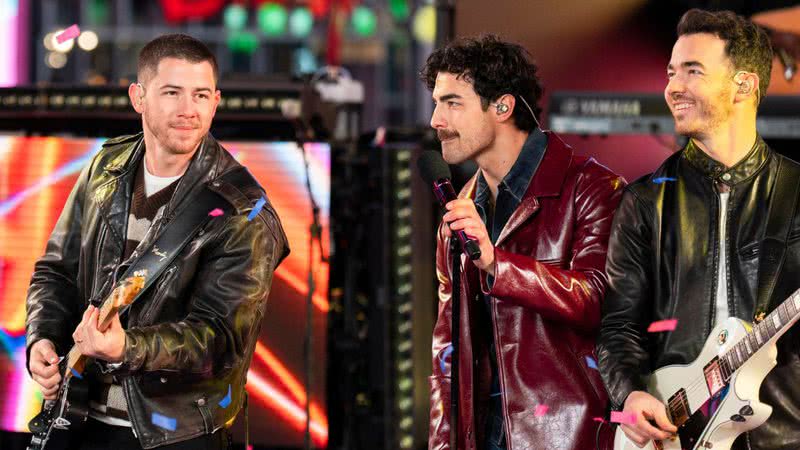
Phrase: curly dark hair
(180, 46)
(495, 68)
(746, 44)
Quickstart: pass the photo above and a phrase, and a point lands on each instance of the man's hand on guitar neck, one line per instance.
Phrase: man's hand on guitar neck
(108, 345)
(647, 408)
(44, 368)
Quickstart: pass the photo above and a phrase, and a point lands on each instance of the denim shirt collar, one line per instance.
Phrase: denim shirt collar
(519, 177)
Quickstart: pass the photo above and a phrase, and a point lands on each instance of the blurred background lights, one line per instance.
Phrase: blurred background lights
(272, 19)
(364, 21)
(235, 17)
(301, 21)
(55, 60)
(242, 42)
(88, 40)
(424, 26)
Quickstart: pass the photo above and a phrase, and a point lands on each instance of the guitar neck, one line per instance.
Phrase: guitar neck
(122, 295)
(772, 327)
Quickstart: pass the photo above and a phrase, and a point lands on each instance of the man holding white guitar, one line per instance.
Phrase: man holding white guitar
(712, 240)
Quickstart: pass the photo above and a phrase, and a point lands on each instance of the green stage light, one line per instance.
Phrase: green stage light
(301, 22)
(272, 19)
(399, 9)
(235, 17)
(364, 21)
(242, 42)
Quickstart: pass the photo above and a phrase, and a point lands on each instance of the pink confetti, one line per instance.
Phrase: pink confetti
(599, 419)
(621, 417)
(250, 447)
(541, 410)
(663, 325)
(70, 33)
(216, 212)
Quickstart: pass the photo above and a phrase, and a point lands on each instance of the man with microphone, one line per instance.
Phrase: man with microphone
(530, 304)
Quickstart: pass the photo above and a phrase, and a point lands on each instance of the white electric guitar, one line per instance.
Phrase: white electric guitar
(715, 398)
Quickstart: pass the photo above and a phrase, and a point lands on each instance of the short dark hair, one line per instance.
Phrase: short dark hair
(746, 44)
(180, 46)
(494, 67)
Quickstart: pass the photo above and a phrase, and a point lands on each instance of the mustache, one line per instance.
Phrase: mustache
(444, 135)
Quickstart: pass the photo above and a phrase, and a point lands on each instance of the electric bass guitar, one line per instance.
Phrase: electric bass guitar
(715, 398)
(70, 408)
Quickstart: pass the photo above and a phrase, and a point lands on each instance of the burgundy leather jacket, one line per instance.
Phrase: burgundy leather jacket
(545, 307)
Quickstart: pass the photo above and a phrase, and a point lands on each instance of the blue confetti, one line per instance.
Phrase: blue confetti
(257, 209)
(660, 180)
(443, 355)
(167, 423)
(591, 362)
(75, 373)
(227, 400)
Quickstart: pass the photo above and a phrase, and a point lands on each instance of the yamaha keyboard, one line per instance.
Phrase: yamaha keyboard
(604, 113)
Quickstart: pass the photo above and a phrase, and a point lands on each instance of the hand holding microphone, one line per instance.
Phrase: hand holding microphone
(462, 217)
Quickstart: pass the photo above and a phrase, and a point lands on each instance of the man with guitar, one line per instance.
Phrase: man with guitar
(168, 370)
(709, 238)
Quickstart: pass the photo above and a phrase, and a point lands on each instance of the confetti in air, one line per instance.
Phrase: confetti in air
(167, 423)
(541, 410)
(623, 418)
(443, 356)
(70, 33)
(227, 400)
(591, 362)
(662, 325)
(257, 209)
(661, 180)
(216, 212)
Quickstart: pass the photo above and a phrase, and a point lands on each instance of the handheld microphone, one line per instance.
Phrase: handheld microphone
(435, 172)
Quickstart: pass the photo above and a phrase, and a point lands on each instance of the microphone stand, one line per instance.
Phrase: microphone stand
(315, 235)
(455, 316)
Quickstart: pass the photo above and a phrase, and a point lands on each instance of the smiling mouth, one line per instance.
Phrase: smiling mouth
(677, 107)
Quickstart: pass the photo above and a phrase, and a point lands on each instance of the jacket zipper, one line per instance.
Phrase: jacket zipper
(99, 248)
(158, 296)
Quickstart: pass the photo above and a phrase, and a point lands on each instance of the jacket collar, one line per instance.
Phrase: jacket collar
(204, 166)
(546, 182)
(751, 164)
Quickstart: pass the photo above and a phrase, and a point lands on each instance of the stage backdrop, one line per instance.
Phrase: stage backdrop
(36, 176)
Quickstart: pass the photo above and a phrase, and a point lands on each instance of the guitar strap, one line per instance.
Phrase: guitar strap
(780, 218)
(181, 230)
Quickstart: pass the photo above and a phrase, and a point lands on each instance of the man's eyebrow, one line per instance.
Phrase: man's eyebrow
(447, 97)
(173, 86)
(687, 64)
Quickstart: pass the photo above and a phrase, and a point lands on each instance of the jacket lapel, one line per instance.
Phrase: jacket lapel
(546, 182)
(121, 171)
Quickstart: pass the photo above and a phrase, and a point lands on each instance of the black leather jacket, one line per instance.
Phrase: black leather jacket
(662, 263)
(191, 335)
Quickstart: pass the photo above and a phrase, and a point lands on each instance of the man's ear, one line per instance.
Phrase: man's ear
(504, 107)
(747, 86)
(136, 95)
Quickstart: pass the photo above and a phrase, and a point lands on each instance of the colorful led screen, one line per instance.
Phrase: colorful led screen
(36, 176)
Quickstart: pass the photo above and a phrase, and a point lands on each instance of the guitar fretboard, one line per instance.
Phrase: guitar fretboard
(782, 317)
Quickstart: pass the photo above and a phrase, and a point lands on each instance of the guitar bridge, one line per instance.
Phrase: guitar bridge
(679, 408)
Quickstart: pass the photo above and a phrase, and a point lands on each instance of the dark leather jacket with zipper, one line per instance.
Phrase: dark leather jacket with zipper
(191, 335)
(662, 263)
